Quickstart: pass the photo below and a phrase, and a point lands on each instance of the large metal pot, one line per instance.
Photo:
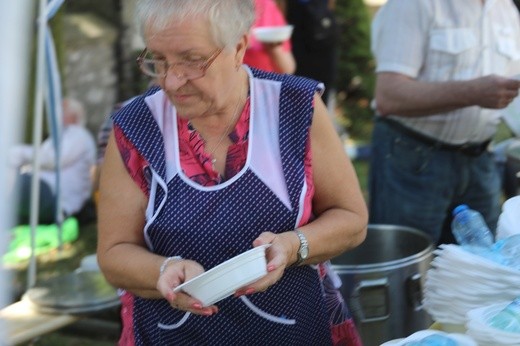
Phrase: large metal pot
(382, 282)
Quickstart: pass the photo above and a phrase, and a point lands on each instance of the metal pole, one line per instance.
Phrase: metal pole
(16, 18)
(54, 110)
(37, 138)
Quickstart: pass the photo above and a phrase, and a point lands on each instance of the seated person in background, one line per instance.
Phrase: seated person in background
(78, 155)
(272, 57)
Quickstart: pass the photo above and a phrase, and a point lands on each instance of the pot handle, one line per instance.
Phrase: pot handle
(414, 292)
(357, 300)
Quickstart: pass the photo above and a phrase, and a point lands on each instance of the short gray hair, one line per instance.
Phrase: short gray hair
(229, 19)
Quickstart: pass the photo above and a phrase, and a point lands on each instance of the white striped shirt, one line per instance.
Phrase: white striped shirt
(449, 40)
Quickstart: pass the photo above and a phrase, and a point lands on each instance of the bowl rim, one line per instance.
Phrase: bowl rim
(209, 279)
(213, 271)
(273, 33)
(273, 28)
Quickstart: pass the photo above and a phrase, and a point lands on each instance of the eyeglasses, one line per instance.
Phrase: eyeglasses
(158, 68)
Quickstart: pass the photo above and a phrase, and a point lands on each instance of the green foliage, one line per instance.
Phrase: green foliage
(355, 81)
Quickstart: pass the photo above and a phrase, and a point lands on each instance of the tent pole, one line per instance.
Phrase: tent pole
(37, 139)
(16, 19)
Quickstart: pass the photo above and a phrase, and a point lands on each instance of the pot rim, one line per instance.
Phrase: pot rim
(393, 264)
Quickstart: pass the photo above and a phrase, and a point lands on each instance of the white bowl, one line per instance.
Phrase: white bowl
(224, 279)
(273, 34)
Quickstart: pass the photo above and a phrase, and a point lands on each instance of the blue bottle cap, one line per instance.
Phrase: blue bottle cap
(460, 208)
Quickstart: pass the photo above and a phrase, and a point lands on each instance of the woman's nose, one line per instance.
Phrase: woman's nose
(173, 80)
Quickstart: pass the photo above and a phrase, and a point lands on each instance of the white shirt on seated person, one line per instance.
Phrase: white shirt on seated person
(77, 158)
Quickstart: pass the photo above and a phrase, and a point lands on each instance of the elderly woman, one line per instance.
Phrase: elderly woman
(217, 160)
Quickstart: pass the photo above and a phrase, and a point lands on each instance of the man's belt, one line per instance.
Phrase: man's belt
(469, 149)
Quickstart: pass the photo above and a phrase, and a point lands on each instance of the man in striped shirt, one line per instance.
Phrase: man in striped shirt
(445, 69)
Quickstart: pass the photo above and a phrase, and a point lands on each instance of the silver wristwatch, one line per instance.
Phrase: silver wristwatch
(303, 251)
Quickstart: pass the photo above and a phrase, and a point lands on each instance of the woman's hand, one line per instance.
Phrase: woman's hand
(176, 273)
(279, 256)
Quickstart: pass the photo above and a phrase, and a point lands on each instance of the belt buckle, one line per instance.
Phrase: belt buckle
(473, 150)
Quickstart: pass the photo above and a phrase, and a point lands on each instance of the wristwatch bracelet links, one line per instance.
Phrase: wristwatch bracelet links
(303, 250)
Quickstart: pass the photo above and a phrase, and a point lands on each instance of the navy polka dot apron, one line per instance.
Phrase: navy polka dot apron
(211, 225)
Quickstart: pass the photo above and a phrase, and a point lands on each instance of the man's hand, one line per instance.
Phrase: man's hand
(494, 91)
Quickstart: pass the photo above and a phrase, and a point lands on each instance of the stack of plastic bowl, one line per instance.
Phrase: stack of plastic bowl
(478, 327)
(459, 281)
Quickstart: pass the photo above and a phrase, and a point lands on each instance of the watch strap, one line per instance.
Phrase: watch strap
(304, 247)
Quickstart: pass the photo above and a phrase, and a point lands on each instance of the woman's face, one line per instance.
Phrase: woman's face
(190, 41)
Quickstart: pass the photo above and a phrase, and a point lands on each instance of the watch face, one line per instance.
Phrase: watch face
(304, 252)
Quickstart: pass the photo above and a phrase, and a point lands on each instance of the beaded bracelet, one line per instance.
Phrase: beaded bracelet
(166, 262)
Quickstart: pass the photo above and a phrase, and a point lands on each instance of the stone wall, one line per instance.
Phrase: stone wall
(101, 44)
(89, 68)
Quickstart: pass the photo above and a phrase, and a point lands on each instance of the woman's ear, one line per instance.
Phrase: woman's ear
(241, 47)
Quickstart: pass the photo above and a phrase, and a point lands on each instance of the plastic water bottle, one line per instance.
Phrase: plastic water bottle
(509, 318)
(469, 228)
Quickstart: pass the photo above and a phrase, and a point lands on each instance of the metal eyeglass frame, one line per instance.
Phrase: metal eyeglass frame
(202, 66)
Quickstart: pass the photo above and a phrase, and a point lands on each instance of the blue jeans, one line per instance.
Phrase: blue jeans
(47, 201)
(416, 185)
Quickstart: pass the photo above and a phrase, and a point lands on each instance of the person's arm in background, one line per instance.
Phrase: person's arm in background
(71, 150)
(400, 94)
(20, 155)
(282, 57)
(23, 154)
(399, 43)
(279, 52)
